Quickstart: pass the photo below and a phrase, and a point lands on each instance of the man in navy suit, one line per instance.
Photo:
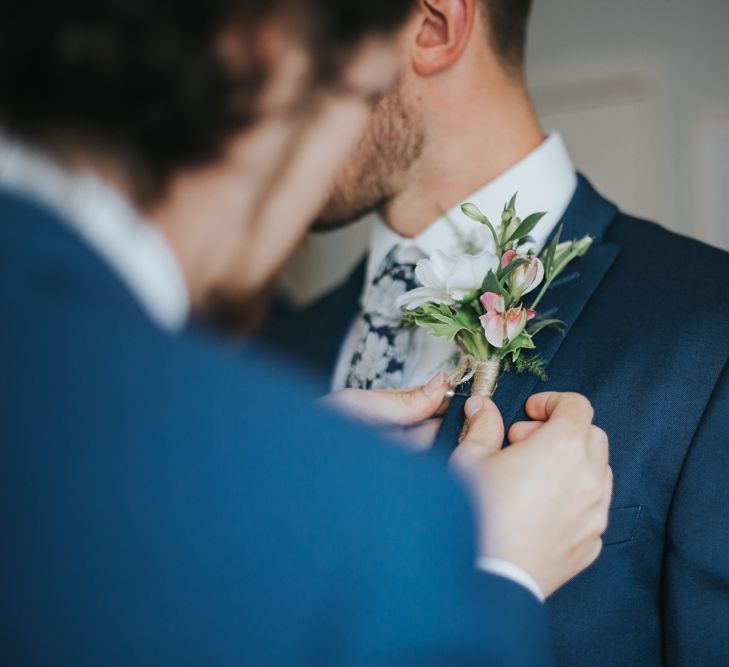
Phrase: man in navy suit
(647, 327)
(163, 503)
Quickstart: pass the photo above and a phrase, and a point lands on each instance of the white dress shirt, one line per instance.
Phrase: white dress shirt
(545, 180)
(99, 215)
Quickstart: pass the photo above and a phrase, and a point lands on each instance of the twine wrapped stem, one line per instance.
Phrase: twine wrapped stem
(485, 375)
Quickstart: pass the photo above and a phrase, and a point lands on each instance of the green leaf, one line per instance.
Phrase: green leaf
(532, 364)
(527, 226)
(491, 283)
(548, 254)
(446, 331)
(469, 318)
(440, 325)
(522, 341)
(507, 271)
(540, 325)
(445, 319)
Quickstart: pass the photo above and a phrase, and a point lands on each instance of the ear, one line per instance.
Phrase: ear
(443, 31)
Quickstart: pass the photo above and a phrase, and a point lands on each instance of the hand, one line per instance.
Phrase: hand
(412, 415)
(542, 502)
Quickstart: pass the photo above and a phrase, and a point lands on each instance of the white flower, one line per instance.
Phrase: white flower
(447, 279)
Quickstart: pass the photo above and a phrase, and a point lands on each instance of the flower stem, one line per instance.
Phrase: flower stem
(486, 378)
(541, 294)
(475, 344)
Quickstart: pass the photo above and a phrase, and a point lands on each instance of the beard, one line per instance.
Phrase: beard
(376, 171)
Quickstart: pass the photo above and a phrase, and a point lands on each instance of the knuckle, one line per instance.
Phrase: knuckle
(600, 436)
(609, 488)
(603, 523)
(592, 489)
(582, 403)
(407, 398)
(413, 409)
(599, 523)
(594, 552)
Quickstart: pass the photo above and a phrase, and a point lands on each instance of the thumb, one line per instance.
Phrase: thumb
(484, 431)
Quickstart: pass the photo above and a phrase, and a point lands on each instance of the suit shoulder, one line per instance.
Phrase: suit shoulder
(677, 277)
(654, 240)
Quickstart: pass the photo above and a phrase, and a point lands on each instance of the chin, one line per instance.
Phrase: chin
(335, 217)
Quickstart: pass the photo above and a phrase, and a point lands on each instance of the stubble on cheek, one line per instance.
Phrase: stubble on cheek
(374, 173)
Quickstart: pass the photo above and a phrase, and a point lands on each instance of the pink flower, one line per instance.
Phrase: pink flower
(507, 258)
(527, 277)
(493, 301)
(500, 326)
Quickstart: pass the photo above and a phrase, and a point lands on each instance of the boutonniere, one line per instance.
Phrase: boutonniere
(487, 303)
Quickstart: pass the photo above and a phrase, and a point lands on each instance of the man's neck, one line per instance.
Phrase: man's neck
(470, 144)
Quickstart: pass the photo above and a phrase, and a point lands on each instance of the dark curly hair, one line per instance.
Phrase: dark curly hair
(507, 22)
(144, 79)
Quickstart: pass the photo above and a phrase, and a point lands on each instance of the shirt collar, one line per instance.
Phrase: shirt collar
(131, 246)
(545, 180)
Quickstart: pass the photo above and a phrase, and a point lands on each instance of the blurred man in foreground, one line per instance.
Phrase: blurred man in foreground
(163, 504)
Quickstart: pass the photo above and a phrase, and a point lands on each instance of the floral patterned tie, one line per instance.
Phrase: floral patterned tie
(379, 358)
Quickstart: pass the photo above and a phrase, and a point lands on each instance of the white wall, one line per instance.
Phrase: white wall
(640, 91)
(663, 118)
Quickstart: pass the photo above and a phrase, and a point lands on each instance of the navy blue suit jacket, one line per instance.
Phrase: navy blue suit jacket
(160, 504)
(647, 340)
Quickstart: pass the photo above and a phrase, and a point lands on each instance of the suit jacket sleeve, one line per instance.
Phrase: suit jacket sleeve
(696, 572)
(410, 594)
(430, 606)
(228, 526)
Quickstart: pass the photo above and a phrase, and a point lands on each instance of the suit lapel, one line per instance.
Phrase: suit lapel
(588, 213)
(565, 302)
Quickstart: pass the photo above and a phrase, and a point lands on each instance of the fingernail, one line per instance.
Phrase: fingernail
(435, 385)
(474, 405)
(450, 393)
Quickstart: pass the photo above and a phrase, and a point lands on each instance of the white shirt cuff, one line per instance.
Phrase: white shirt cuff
(508, 570)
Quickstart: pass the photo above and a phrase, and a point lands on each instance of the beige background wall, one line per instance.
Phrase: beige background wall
(640, 91)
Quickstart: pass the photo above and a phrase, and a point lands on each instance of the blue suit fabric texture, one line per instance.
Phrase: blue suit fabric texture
(168, 502)
(647, 341)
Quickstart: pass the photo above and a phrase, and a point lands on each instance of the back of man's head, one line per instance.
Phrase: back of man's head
(506, 24)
